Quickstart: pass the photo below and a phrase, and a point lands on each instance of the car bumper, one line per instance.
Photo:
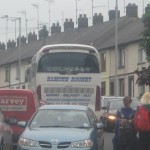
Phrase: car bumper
(53, 148)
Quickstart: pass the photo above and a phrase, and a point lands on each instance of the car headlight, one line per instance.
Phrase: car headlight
(27, 142)
(82, 144)
(111, 117)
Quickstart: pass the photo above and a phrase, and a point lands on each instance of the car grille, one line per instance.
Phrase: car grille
(49, 145)
(64, 145)
(45, 144)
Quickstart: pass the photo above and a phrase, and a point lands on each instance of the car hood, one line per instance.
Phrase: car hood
(113, 111)
(61, 134)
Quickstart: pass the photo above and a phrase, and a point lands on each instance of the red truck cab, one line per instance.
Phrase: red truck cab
(18, 105)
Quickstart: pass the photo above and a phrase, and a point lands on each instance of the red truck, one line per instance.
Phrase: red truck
(18, 105)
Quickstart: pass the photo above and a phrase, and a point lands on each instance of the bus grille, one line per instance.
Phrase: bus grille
(68, 90)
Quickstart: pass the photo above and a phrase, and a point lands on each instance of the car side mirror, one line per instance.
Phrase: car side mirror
(11, 121)
(22, 124)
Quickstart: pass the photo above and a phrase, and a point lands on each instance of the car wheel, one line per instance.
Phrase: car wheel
(1, 146)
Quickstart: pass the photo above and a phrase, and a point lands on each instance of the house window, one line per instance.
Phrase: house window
(112, 86)
(141, 56)
(131, 86)
(103, 88)
(103, 61)
(7, 77)
(121, 58)
(121, 87)
(17, 71)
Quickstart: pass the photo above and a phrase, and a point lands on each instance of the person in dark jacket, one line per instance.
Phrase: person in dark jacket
(125, 134)
(144, 136)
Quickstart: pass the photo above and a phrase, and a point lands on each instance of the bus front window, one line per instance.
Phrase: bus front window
(69, 62)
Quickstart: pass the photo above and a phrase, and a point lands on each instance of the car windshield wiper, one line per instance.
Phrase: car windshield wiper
(81, 127)
(57, 126)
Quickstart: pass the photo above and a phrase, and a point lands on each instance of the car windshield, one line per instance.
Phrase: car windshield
(65, 61)
(116, 104)
(107, 99)
(60, 118)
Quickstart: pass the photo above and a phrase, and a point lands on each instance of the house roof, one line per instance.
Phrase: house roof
(101, 36)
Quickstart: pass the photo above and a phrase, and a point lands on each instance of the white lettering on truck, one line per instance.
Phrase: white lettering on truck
(13, 103)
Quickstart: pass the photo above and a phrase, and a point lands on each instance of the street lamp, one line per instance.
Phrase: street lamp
(37, 7)
(116, 48)
(49, 2)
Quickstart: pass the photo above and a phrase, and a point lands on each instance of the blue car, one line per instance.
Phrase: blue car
(67, 127)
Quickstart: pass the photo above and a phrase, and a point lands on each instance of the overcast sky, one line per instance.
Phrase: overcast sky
(59, 11)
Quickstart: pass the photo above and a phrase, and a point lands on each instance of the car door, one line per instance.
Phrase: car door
(97, 134)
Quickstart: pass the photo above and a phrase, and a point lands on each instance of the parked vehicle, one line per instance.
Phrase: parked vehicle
(62, 127)
(108, 116)
(106, 99)
(6, 133)
(18, 105)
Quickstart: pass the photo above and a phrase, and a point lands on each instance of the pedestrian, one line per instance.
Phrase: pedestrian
(142, 122)
(125, 135)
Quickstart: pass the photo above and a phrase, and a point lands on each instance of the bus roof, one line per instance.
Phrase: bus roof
(69, 46)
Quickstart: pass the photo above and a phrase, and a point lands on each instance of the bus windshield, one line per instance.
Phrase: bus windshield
(69, 62)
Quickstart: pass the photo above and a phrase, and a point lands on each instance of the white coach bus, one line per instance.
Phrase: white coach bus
(67, 74)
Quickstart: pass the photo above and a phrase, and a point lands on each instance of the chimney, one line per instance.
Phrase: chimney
(2, 46)
(147, 8)
(82, 21)
(43, 33)
(68, 24)
(112, 14)
(55, 28)
(97, 18)
(23, 40)
(132, 10)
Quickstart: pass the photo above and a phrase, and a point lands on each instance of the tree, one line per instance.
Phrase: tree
(144, 73)
(145, 43)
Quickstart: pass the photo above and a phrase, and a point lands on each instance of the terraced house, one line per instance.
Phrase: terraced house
(101, 35)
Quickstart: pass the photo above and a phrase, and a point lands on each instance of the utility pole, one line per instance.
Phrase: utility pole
(76, 12)
(116, 49)
(19, 52)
